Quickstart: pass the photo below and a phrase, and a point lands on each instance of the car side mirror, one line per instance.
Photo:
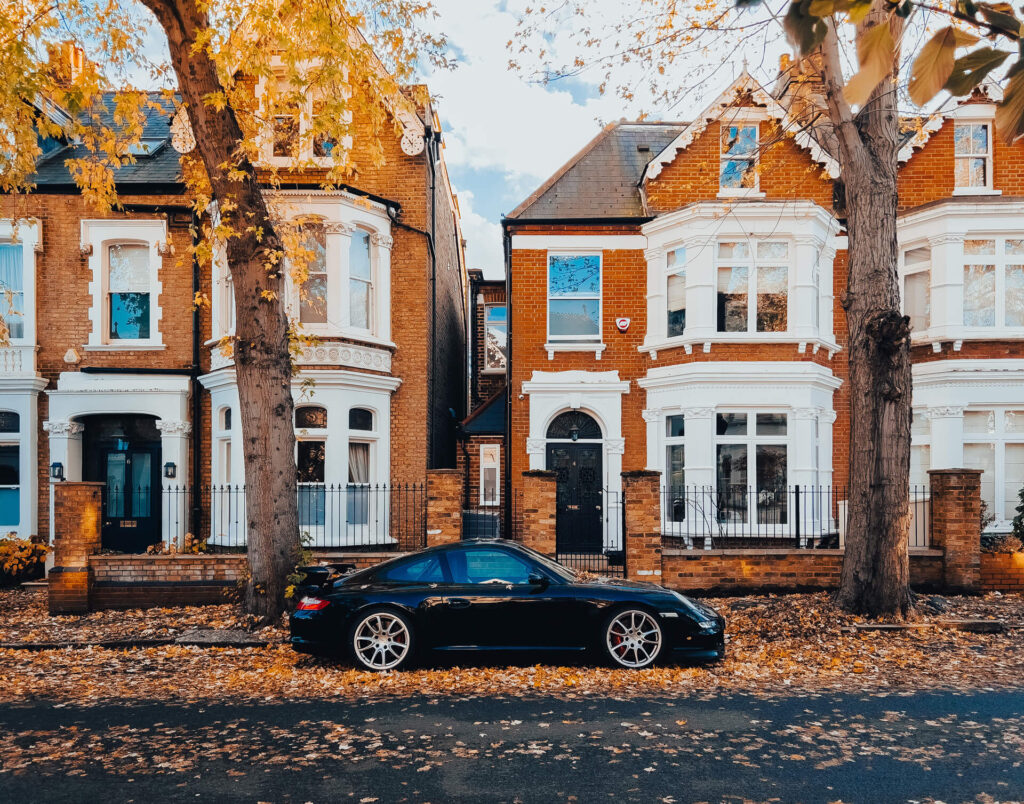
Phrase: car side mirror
(536, 579)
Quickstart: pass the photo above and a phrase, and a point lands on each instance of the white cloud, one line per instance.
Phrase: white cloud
(483, 239)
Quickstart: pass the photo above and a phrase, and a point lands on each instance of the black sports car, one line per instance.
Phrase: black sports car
(495, 595)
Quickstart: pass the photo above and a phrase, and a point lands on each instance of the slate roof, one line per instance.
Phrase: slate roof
(602, 180)
(489, 418)
(160, 166)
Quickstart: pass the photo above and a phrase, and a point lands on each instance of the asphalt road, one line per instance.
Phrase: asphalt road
(824, 748)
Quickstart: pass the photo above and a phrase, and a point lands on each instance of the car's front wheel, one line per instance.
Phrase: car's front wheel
(382, 639)
(632, 638)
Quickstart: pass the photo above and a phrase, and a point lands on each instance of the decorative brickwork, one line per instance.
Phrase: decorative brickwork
(956, 525)
(642, 500)
(444, 506)
(540, 511)
(77, 509)
(141, 581)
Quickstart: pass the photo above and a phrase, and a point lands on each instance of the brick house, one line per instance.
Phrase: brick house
(113, 375)
(673, 306)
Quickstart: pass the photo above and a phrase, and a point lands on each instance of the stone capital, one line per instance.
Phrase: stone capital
(338, 228)
(63, 428)
(382, 240)
(945, 412)
(536, 446)
(171, 427)
(615, 446)
(652, 414)
(698, 413)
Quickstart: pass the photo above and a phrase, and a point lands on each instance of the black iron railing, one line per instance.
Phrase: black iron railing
(707, 517)
(588, 530)
(486, 516)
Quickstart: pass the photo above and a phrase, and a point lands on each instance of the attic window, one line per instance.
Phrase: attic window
(145, 147)
(644, 149)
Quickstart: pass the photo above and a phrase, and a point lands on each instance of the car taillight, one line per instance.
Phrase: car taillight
(312, 604)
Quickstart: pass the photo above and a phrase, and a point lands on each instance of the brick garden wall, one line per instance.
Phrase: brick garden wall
(139, 581)
(1002, 572)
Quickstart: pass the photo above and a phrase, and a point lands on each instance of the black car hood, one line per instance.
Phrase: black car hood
(622, 583)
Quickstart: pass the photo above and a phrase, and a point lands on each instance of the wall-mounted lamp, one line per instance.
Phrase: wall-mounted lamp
(56, 471)
(170, 469)
(574, 433)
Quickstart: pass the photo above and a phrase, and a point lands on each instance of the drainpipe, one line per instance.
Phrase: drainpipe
(431, 156)
(506, 242)
(197, 430)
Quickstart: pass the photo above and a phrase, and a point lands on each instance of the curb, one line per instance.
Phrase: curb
(122, 644)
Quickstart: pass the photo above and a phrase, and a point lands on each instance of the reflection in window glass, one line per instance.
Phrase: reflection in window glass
(360, 419)
(10, 422)
(487, 567)
(128, 291)
(286, 135)
(732, 299)
(360, 280)
(676, 292)
(1014, 296)
(310, 418)
(423, 570)
(574, 297)
(972, 149)
(496, 337)
(771, 484)
(979, 295)
(771, 424)
(983, 456)
(675, 426)
(10, 505)
(979, 421)
(738, 156)
(917, 292)
(729, 424)
(313, 290)
(12, 289)
(772, 297)
(312, 499)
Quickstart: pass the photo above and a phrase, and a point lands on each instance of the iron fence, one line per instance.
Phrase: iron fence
(492, 517)
(696, 517)
(344, 516)
(588, 531)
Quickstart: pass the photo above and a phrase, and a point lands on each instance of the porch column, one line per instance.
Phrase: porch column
(805, 444)
(655, 459)
(642, 499)
(65, 449)
(540, 511)
(174, 443)
(700, 446)
(946, 425)
(956, 526)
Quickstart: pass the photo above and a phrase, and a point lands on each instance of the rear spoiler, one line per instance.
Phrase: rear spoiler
(323, 575)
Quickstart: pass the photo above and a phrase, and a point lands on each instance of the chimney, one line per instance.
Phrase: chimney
(66, 61)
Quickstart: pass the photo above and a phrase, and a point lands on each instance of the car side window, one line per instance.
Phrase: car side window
(423, 570)
(488, 566)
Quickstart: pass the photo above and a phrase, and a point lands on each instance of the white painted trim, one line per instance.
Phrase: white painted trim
(547, 242)
(597, 347)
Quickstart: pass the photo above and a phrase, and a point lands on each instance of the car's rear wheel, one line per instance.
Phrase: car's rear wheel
(382, 639)
(632, 638)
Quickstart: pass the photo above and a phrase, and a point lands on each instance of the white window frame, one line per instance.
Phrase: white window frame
(222, 437)
(673, 270)
(305, 136)
(753, 263)
(496, 465)
(488, 369)
(97, 237)
(16, 440)
(589, 342)
(998, 438)
(973, 189)
(371, 315)
(751, 441)
(741, 118)
(999, 260)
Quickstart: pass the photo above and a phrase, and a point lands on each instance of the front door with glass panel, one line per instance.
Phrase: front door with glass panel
(123, 453)
(578, 466)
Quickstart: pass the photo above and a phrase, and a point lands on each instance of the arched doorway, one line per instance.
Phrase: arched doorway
(575, 454)
(123, 451)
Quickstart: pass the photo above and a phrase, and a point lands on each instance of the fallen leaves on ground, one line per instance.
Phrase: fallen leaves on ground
(776, 644)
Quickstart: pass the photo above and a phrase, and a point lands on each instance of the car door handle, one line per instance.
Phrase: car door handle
(458, 603)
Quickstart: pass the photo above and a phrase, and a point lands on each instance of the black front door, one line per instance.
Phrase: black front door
(123, 452)
(579, 496)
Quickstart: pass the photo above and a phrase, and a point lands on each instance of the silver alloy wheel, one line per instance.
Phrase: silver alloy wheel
(381, 641)
(633, 638)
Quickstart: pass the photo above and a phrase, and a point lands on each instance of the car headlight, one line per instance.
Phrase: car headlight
(705, 618)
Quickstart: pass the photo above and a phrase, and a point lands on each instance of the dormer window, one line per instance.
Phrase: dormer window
(973, 154)
(296, 129)
(738, 157)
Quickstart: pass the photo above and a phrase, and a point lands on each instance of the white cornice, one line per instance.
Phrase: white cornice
(609, 242)
(783, 217)
(740, 373)
(325, 378)
(975, 372)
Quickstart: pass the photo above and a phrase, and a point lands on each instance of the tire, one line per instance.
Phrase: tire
(632, 638)
(381, 639)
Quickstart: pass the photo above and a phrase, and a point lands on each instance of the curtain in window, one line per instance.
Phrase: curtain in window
(128, 286)
(12, 307)
(358, 488)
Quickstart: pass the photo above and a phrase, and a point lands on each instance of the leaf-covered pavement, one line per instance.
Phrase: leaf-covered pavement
(777, 644)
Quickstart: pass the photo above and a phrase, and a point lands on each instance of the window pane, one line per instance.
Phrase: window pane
(227, 418)
(676, 304)
(739, 140)
(310, 418)
(979, 421)
(496, 343)
(489, 483)
(574, 275)
(117, 483)
(675, 426)
(772, 298)
(358, 463)
(360, 419)
(771, 484)
(920, 424)
(771, 424)
(323, 145)
(979, 295)
(916, 256)
(359, 303)
(739, 150)
(917, 290)
(286, 135)
(487, 566)
(772, 250)
(129, 268)
(10, 422)
(732, 299)
(313, 293)
(1015, 295)
(675, 467)
(731, 424)
(1014, 247)
(1013, 421)
(12, 305)
(129, 316)
(1014, 473)
(311, 458)
(574, 317)
(733, 251)
(423, 570)
(983, 456)
(312, 504)
(737, 173)
(979, 247)
(731, 466)
(359, 255)
(920, 463)
(676, 259)
(9, 465)
(10, 507)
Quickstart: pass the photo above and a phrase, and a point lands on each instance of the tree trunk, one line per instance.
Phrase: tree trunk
(875, 577)
(261, 355)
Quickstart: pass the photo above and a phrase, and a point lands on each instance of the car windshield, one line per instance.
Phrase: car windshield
(562, 572)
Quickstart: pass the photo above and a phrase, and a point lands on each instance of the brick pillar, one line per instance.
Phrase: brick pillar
(77, 511)
(641, 497)
(539, 510)
(956, 526)
(444, 506)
